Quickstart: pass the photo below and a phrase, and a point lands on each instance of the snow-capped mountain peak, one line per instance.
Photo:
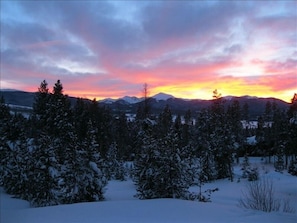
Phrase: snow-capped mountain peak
(131, 100)
(162, 96)
(108, 100)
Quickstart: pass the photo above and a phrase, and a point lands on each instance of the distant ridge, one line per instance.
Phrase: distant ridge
(130, 104)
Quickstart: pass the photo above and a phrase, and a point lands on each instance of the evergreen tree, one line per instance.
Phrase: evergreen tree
(245, 112)
(268, 112)
(165, 121)
(292, 130)
(56, 166)
(120, 132)
(234, 126)
(17, 163)
(102, 120)
(187, 129)
(221, 138)
(46, 178)
(81, 118)
(5, 122)
(279, 164)
(245, 166)
(90, 169)
(160, 170)
(4, 110)
(205, 152)
(115, 168)
(41, 99)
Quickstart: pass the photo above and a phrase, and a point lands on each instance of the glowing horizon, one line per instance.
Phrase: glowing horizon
(187, 49)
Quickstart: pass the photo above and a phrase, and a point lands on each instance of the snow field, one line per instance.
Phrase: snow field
(121, 205)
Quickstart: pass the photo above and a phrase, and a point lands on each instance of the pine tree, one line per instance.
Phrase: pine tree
(93, 180)
(5, 122)
(41, 99)
(245, 166)
(4, 110)
(17, 162)
(292, 129)
(115, 168)
(280, 164)
(121, 136)
(160, 170)
(205, 151)
(165, 121)
(102, 120)
(234, 126)
(46, 178)
(221, 139)
(81, 118)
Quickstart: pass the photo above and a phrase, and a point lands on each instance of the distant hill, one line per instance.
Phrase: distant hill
(20, 98)
(157, 103)
(180, 106)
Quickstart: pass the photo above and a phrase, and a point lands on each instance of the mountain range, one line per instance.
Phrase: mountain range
(130, 104)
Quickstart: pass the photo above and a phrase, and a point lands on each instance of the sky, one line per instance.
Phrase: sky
(109, 49)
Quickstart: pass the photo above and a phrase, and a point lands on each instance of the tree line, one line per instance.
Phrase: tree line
(65, 154)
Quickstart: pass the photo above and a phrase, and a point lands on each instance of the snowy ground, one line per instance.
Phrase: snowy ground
(122, 206)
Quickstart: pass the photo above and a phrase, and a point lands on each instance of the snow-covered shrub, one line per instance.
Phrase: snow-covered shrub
(260, 195)
(287, 207)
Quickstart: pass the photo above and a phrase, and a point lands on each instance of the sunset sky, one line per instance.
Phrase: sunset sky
(101, 49)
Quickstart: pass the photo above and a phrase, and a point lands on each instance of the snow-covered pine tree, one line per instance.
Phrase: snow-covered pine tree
(40, 106)
(18, 161)
(221, 140)
(4, 157)
(279, 164)
(5, 121)
(159, 169)
(165, 121)
(205, 151)
(292, 135)
(233, 122)
(46, 178)
(115, 168)
(245, 166)
(92, 179)
(81, 118)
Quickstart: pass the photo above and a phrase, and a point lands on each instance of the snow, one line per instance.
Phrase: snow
(162, 96)
(108, 100)
(251, 140)
(132, 100)
(121, 205)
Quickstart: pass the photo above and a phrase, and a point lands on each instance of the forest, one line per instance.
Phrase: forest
(64, 154)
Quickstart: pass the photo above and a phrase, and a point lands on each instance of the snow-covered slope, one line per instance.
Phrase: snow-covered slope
(122, 206)
(108, 100)
(134, 100)
(131, 100)
(162, 96)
